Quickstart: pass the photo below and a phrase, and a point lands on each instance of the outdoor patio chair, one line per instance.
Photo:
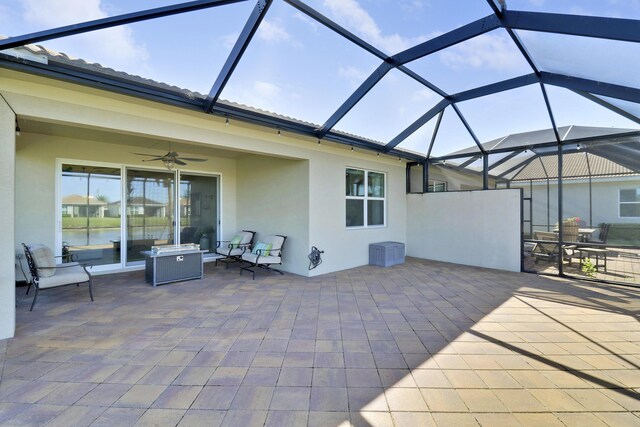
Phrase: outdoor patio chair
(264, 254)
(571, 234)
(545, 251)
(46, 274)
(602, 236)
(232, 250)
(550, 251)
(595, 248)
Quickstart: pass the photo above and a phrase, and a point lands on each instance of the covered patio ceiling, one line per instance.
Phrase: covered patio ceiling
(546, 64)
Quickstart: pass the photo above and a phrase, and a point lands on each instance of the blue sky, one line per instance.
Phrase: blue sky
(297, 67)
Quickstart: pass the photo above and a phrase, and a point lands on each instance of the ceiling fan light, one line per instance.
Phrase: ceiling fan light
(168, 163)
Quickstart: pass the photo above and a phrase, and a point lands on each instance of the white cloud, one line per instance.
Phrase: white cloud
(423, 95)
(312, 23)
(355, 16)
(354, 74)
(272, 32)
(229, 40)
(115, 46)
(266, 89)
(486, 51)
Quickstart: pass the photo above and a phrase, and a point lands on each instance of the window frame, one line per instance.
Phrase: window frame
(366, 198)
(432, 183)
(620, 202)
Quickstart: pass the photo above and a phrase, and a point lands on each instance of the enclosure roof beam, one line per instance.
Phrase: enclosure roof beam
(355, 97)
(493, 88)
(459, 35)
(592, 86)
(575, 25)
(440, 106)
(112, 21)
(242, 42)
(609, 106)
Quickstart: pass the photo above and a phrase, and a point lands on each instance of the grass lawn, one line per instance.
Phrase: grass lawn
(81, 222)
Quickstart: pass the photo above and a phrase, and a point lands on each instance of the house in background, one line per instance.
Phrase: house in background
(143, 206)
(75, 205)
(600, 173)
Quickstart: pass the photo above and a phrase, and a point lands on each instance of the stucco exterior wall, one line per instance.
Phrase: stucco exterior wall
(7, 192)
(349, 247)
(36, 172)
(314, 190)
(479, 228)
(273, 198)
(456, 180)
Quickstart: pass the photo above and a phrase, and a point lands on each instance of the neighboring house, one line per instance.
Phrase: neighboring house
(139, 206)
(601, 177)
(75, 205)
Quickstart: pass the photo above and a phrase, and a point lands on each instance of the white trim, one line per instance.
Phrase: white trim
(366, 198)
(218, 203)
(437, 182)
(620, 203)
(123, 265)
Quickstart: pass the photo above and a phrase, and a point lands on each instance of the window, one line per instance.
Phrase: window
(437, 186)
(365, 191)
(630, 203)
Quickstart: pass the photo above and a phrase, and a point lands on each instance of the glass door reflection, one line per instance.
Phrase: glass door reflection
(199, 210)
(150, 211)
(90, 197)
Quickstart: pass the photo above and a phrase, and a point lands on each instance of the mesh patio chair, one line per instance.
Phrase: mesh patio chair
(232, 250)
(46, 274)
(264, 254)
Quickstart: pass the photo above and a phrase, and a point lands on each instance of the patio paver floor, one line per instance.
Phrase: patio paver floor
(424, 343)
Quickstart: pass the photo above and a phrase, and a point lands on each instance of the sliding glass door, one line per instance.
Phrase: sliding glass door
(150, 211)
(111, 215)
(90, 220)
(199, 210)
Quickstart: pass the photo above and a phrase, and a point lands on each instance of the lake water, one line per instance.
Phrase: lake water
(105, 236)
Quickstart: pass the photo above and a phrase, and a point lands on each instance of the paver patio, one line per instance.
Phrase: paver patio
(424, 343)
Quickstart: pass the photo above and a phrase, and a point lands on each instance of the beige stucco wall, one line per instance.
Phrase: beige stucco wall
(314, 190)
(455, 180)
(36, 172)
(346, 248)
(273, 198)
(479, 228)
(7, 191)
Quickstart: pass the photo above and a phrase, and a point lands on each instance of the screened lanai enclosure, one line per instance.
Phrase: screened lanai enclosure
(591, 185)
(471, 95)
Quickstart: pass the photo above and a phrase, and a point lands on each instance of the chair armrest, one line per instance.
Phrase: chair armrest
(273, 250)
(70, 265)
(70, 257)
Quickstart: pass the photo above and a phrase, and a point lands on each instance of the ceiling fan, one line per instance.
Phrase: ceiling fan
(170, 159)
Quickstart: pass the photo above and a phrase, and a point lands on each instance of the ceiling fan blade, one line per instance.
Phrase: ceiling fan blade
(153, 160)
(143, 154)
(179, 162)
(192, 159)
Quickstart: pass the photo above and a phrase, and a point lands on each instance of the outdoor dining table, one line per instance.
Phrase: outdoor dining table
(583, 233)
